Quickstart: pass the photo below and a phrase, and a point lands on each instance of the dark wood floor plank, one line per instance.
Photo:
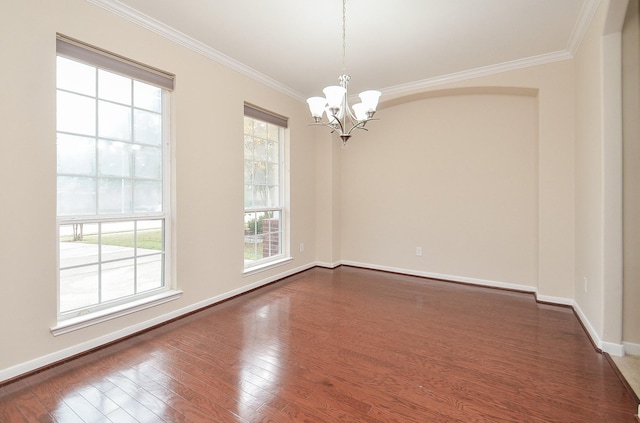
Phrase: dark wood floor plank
(342, 345)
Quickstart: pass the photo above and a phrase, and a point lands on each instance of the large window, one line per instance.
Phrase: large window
(112, 179)
(264, 188)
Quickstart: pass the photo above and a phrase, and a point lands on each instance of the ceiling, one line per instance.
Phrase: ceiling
(393, 46)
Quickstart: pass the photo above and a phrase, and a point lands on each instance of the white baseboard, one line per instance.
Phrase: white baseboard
(462, 279)
(631, 348)
(617, 350)
(328, 265)
(555, 300)
(57, 356)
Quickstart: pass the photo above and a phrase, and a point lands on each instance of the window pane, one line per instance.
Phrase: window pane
(248, 196)
(262, 235)
(150, 236)
(78, 244)
(273, 174)
(118, 280)
(114, 158)
(271, 234)
(274, 132)
(76, 77)
(76, 195)
(118, 241)
(248, 148)
(78, 288)
(114, 121)
(259, 173)
(114, 87)
(147, 96)
(150, 272)
(259, 129)
(114, 196)
(248, 172)
(273, 196)
(260, 150)
(76, 114)
(148, 196)
(76, 155)
(259, 196)
(148, 162)
(147, 127)
(252, 241)
(273, 153)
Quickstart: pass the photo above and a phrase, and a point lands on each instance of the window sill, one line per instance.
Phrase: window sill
(265, 266)
(80, 322)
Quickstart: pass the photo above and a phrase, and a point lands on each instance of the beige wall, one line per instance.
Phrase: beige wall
(455, 174)
(207, 125)
(589, 171)
(631, 137)
(599, 157)
(478, 173)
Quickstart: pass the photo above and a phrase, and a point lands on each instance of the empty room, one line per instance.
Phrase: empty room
(320, 211)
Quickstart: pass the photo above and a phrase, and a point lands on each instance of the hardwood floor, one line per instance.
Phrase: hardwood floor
(342, 345)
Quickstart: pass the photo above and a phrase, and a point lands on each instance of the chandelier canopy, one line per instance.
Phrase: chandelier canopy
(335, 105)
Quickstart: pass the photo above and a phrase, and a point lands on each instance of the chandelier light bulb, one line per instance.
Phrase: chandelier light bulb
(335, 96)
(360, 111)
(370, 100)
(316, 106)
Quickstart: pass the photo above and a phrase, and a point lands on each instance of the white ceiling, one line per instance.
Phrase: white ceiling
(393, 46)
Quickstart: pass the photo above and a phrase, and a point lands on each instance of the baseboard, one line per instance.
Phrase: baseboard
(631, 348)
(440, 276)
(554, 300)
(51, 359)
(328, 265)
(617, 350)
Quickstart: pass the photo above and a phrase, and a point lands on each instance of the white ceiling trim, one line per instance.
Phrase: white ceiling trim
(586, 15)
(413, 87)
(178, 37)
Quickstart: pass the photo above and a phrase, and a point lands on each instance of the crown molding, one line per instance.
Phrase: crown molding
(589, 9)
(413, 87)
(184, 40)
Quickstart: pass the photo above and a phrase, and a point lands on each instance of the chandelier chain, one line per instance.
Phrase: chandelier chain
(344, 36)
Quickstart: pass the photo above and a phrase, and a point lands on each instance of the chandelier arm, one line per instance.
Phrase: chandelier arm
(330, 125)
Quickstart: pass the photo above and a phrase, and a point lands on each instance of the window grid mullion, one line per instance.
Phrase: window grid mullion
(100, 263)
(135, 257)
(97, 142)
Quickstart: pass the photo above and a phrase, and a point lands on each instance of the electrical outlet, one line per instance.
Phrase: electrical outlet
(419, 251)
(301, 247)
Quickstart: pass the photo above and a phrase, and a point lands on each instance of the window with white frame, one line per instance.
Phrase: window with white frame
(112, 179)
(264, 187)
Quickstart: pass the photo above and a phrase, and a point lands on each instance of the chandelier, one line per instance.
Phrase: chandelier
(335, 105)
